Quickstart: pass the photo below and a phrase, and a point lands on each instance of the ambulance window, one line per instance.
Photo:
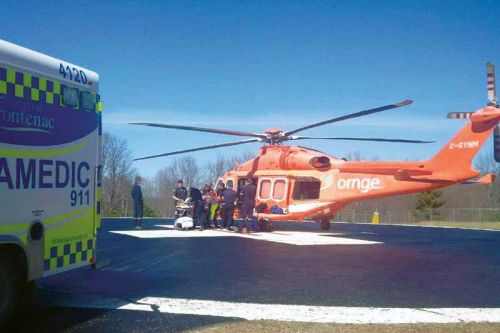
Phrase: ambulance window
(279, 189)
(265, 189)
(229, 183)
(306, 189)
(87, 101)
(70, 96)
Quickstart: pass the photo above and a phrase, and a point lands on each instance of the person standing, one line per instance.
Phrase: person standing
(196, 198)
(138, 203)
(247, 204)
(180, 194)
(218, 204)
(229, 196)
(208, 199)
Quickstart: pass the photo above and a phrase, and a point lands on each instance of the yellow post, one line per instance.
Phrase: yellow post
(375, 217)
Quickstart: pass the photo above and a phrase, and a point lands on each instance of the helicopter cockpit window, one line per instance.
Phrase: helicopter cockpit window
(265, 189)
(306, 188)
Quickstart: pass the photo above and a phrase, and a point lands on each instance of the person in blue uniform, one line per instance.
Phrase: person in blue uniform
(180, 194)
(196, 198)
(138, 203)
(229, 196)
(247, 204)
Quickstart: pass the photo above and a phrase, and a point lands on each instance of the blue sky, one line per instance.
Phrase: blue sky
(253, 65)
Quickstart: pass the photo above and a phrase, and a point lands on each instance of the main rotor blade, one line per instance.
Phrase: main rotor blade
(234, 143)
(352, 115)
(359, 139)
(202, 129)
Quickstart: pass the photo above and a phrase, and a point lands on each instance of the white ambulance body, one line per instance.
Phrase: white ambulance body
(50, 139)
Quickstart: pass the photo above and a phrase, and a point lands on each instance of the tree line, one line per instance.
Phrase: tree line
(119, 173)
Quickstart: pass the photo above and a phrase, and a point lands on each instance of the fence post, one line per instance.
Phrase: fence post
(480, 215)
(453, 214)
(430, 209)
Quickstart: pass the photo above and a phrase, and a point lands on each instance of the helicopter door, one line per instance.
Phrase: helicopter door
(242, 180)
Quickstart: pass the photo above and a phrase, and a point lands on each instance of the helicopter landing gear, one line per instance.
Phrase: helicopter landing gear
(265, 225)
(325, 225)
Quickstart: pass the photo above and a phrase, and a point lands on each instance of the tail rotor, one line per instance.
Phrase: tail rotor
(492, 101)
(492, 91)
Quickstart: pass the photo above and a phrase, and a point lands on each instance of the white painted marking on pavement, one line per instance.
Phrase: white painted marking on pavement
(419, 226)
(282, 312)
(284, 237)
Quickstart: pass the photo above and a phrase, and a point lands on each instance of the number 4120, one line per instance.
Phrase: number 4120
(74, 74)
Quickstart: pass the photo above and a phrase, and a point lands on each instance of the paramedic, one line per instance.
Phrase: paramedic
(196, 198)
(138, 203)
(218, 209)
(247, 204)
(209, 201)
(228, 199)
(180, 194)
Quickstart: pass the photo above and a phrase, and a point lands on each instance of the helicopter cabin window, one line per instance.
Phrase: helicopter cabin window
(265, 189)
(306, 188)
(229, 183)
(279, 189)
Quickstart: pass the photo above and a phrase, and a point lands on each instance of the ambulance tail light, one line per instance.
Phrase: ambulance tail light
(92, 262)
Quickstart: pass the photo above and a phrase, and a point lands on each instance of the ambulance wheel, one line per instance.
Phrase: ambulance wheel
(325, 225)
(10, 289)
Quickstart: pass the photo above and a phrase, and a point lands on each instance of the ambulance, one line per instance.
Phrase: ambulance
(50, 169)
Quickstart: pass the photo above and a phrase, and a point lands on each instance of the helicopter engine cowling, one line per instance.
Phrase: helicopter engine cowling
(297, 158)
(320, 162)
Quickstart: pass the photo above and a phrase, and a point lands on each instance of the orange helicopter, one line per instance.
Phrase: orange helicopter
(307, 184)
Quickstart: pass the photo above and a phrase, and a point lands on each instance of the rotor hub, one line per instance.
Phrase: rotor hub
(274, 136)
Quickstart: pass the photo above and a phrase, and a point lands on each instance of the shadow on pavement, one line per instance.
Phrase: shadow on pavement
(36, 318)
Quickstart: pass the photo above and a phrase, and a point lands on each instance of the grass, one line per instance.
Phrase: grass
(276, 326)
(476, 225)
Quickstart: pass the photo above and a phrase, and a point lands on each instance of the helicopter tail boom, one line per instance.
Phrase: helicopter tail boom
(455, 158)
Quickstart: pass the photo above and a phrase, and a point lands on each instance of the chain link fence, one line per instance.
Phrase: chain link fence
(412, 216)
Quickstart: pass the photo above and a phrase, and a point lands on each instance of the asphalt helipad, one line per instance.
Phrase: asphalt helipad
(353, 274)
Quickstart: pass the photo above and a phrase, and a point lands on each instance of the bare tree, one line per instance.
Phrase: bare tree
(216, 168)
(117, 175)
(238, 159)
(160, 190)
(485, 163)
(355, 156)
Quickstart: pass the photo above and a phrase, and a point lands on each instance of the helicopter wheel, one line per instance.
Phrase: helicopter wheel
(325, 225)
(265, 226)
